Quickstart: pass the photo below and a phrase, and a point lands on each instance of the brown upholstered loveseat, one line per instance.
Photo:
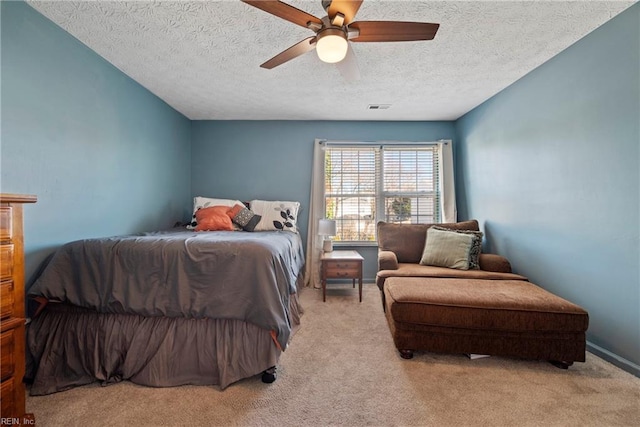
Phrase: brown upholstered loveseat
(489, 310)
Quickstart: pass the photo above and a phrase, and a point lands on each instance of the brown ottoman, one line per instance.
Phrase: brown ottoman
(513, 318)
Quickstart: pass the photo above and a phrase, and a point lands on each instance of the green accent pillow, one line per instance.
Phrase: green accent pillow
(476, 246)
(452, 248)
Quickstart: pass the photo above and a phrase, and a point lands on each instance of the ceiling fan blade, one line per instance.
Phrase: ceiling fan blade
(284, 11)
(393, 31)
(348, 8)
(294, 51)
(348, 67)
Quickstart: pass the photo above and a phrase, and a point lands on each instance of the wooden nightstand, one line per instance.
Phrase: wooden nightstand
(341, 265)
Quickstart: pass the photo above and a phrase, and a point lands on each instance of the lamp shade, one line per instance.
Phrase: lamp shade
(327, 227)
(332, 45)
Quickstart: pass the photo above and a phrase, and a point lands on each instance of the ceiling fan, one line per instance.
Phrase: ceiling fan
(334, 31)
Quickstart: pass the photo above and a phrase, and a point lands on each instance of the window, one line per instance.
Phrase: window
(367, 184)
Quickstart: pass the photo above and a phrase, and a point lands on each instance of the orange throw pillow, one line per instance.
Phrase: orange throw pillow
(213, 218)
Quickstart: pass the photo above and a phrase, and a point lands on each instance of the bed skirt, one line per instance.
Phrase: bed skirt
(70, 346)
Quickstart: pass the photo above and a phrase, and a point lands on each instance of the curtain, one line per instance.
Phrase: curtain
(316, 212)
(447, 182)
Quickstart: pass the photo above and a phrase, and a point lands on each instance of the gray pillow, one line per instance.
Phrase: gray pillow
(459, 249)
(476, 246)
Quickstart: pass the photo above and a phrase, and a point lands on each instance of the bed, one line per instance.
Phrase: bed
(165, 308)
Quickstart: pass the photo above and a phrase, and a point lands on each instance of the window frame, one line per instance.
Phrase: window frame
(381, 195)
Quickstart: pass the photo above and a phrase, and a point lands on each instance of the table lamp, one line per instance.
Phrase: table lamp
(327, 228)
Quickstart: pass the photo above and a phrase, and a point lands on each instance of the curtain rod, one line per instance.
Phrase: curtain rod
(342, 142)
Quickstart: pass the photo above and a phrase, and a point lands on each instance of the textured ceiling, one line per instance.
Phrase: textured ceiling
(203, 57)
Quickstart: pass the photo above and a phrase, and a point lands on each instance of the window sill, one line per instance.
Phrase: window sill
(355, 244)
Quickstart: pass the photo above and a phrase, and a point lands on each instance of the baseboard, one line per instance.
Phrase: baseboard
(614, 359)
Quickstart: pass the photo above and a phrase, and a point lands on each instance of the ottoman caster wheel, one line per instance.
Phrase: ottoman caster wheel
(406, 354)
(269, 375)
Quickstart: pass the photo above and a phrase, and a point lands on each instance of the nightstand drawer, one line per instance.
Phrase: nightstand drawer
(6, 299)
(6, 262)
(340, 274)
(7, 342)
(338, 268)
(343, 265)
(337, 272)
(8, 400)
(5, 224)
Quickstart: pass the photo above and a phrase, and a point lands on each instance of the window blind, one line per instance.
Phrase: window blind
(365, 184)
(410, 184)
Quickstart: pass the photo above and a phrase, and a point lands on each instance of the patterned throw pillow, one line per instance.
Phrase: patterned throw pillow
(244, 217)
(276, 215)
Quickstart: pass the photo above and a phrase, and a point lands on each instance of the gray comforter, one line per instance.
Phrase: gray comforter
(181, 273)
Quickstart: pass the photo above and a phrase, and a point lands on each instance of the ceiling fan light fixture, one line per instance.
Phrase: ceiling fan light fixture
(332, 45)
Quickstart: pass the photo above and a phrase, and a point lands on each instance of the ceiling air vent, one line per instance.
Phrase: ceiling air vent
(378, 106)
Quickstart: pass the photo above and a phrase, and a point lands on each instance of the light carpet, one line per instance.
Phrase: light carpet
(342, 369)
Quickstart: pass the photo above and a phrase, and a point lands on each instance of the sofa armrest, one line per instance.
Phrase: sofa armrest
(387, 260)
(495, 263)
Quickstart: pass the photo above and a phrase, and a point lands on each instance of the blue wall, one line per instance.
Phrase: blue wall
(272, 159)
(550, 166)
(103, 155)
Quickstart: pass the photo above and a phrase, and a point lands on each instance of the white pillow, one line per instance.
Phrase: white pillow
(276, 215)
(200, 202)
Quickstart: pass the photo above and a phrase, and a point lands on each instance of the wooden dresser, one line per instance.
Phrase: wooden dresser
(12, 316)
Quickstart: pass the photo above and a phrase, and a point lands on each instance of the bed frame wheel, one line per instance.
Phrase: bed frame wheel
(269, 375)
(406, 354)
(561, 364)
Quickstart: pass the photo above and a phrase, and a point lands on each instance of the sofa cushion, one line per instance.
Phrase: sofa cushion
(506, 305)
(459, 249)
(422, 271)
(407, 240)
